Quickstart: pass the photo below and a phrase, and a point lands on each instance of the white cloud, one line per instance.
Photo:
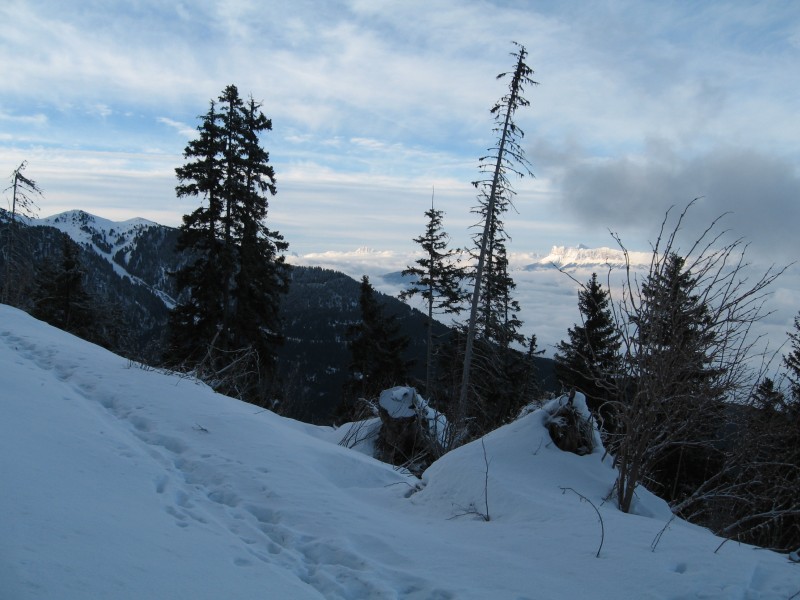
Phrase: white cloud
(36, 120)
(373, 105)
(182, 128)
(101, 110)
(548, 298)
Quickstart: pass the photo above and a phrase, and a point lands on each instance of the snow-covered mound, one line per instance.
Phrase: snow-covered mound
(123, 482)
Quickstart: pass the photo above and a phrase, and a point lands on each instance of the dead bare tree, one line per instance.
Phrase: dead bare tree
(687, 349)
(507, 157)
(18, 272)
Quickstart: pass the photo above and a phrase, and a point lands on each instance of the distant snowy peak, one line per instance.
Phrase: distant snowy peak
(565, 257)
(367, 251)
(128, 246)
(107, 237)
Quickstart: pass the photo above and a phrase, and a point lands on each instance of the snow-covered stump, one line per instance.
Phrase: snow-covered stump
(570, 424)
(400, 436)
(411, 431)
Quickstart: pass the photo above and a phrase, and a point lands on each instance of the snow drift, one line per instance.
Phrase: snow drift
(124, 482)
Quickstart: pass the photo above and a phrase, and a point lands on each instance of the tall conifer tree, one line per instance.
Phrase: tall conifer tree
(589, 361)
(376, 346)
(231, 286)
(674, 331)
(196, 320)
(675, 382)
(498, 321)
(437, 279)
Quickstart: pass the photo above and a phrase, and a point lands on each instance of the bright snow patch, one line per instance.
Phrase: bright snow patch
(126, 483)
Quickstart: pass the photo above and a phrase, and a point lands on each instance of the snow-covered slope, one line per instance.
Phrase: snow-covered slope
(126, 483)
(114, 241)
(107, 238)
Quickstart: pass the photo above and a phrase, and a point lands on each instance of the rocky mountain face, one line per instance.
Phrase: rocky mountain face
(127, 270)
(566, 257)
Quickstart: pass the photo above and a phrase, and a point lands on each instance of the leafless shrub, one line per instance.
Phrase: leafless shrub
(238, 373)
(361, 429)
(683, 358)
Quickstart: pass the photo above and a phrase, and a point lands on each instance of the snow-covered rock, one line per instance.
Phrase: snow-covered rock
(398, 402)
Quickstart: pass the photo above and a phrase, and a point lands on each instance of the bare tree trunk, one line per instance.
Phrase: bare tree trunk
(22, 187)
(513, 101)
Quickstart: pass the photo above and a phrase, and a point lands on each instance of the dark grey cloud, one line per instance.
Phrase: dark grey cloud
(761, 193)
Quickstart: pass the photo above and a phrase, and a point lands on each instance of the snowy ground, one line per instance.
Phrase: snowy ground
(120, 482)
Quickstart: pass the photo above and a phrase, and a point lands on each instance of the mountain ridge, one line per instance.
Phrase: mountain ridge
(571, 257)
(115, 241)
(110, 238)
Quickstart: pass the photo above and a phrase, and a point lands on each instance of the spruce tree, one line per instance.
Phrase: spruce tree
(532, 377)
(376, 347)
(686, 363)
(674, 332)
(675, 380)
(231, 286)
(437, 279)
(768, 397)
(589, 361)
(498, 318)
(197, 318)
(501, 390)
(61, 298)
(262, 277)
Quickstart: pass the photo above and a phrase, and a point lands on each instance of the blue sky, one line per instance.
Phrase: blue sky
(641, 105)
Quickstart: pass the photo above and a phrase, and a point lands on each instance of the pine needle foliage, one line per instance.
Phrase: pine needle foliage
(589, 361)
(235, 276)
(376, 346)
(437, 279)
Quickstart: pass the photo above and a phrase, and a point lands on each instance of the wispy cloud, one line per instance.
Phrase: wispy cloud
(641, 105)
(36, 120)
(100, 110)
(182, 128)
